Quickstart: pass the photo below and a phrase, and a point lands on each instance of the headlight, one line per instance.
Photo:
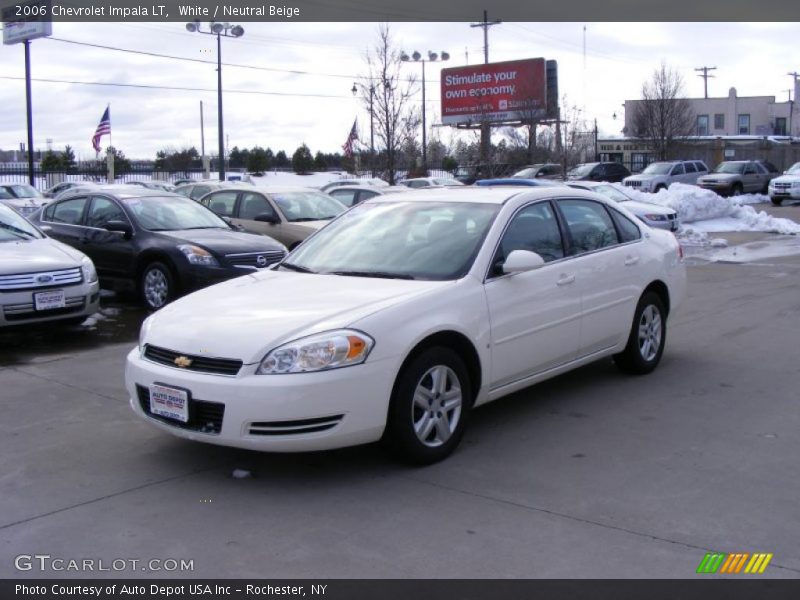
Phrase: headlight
(320, 352)
(656, 217)
(198, 256)
(796, 184)
(89, 272)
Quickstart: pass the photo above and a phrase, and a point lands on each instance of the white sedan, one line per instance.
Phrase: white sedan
(403, 314)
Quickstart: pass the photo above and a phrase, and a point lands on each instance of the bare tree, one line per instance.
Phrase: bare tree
(396, 121)
(663, 115)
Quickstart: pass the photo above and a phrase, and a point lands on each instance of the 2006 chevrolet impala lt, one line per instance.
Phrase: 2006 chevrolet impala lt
(403, 314)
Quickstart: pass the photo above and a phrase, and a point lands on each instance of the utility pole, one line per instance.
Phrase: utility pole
(795, 76)
(486, 132)
(705, 77)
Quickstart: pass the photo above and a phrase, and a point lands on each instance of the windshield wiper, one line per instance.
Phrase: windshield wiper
(17, 230)
(297, 268)
(377, 274)
(203, 227)
(302, 219)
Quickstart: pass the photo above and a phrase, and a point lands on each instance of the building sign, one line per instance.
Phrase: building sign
(507, 91)
(26, 21)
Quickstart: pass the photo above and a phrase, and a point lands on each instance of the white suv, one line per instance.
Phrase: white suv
(786, 187)
(660, 175)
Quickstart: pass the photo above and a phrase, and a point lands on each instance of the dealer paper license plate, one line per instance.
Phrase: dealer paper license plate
(49, 300)
(169, 402)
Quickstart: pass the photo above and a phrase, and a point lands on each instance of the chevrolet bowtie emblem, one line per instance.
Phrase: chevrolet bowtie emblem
(183, 362)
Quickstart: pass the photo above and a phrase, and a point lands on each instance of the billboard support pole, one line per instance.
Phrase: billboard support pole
(29, 110)
(486, 131)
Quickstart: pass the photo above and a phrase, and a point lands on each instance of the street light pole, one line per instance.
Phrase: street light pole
(220, 30)
(219, 110)
(371, 123)
(29, 110)
(417, 57)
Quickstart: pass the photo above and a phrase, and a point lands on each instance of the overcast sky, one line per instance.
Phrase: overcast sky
(317, 107)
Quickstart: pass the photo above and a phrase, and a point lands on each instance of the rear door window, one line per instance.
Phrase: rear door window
(221, 203)
(69, 212)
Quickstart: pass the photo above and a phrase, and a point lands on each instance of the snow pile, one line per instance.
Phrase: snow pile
(710, 212)
(271, 178)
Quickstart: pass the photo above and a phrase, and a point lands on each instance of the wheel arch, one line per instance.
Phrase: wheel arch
(455, 341)
(154, 255)
(659, 288)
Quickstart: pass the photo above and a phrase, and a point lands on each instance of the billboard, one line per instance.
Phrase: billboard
(507, 91)
(26, 21)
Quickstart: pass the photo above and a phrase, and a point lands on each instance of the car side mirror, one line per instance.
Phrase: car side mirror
(520, 261)
(267, 218)
(121, 226)
(46, 228)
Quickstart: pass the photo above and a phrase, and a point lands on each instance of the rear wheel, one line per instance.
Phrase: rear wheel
(429, 407)
(647, 337)
(157, 285)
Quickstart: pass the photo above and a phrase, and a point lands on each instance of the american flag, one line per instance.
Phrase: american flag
(348, 145)
(104, 128)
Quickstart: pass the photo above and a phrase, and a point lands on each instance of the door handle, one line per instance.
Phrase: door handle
(566, 280)
(631, 260)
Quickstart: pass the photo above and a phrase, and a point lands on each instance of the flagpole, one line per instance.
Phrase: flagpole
(110, 141)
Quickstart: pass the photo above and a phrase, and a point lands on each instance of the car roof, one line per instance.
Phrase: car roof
(120, 191)
(486, 195)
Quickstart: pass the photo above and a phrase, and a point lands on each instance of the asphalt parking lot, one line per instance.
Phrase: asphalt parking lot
(592, 474)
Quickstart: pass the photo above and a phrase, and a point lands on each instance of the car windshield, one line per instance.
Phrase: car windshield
(658, 168)
(307, 206)
(609, 191)
(729, 167)
(794, 169)
(14, 227)
(582, 170)
(25, 191)
(528, 173)
(402, 240)
(171, 213)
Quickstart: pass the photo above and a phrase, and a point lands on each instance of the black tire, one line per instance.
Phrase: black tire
(737, 189)
(638, 357)
(401, 437)
(156, 285)
(776, 201)
(659, 188)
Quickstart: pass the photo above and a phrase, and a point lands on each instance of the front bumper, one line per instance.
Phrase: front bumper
(18, 307)
(279, 413)
(785, 193)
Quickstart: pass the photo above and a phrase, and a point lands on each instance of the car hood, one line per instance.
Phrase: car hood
(645, 208)
(787, 179)
(33, 256)
(641, 177)
(312, 225)
(719, 177)
(255, 313)
(225, 241)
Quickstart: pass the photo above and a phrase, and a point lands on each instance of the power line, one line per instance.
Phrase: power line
(172, 88)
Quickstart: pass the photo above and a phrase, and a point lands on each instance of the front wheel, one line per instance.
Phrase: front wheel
(647, 337)
(736, 190)
(776, 201)
(429, 407)
(157, 285)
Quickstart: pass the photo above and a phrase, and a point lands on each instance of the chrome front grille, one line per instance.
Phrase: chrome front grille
(255, 260)
(298, 427)
(782, 187)
(43, 279)
(202, 364)
(27, 310)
